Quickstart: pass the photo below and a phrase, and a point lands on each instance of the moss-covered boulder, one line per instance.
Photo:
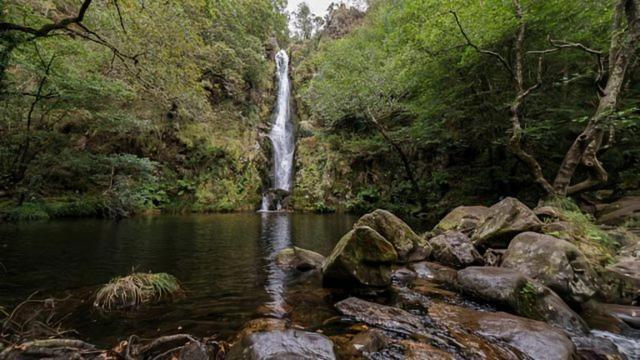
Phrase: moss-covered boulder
(295, 258)
(524, 296)
(454, 249)
(463, 218)
(408, 245)
(362, 258)
(554, 262)
(503, 221)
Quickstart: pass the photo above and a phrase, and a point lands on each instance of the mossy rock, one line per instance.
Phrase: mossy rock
(408, 245)
(362, 258)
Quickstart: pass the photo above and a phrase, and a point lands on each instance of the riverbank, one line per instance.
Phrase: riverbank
(499, 282)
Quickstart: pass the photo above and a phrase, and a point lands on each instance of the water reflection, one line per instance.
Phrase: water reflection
(275, 236)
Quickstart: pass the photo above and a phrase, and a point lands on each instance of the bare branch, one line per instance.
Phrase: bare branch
(500, 58)
(46, 29)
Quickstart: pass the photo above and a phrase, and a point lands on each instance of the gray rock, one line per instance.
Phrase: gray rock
(554, 262)
(298, 259)
(533, 338)
(463, 218)
(504, 220)
(524, 296)
(361, 258)
(381, 316)
(408, 245)
(283, 345)
(454, 249)
(620, 282)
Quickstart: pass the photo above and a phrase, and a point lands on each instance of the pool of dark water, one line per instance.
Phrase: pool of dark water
(223, 261)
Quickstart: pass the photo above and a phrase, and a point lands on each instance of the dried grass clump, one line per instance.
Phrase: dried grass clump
(137, 289)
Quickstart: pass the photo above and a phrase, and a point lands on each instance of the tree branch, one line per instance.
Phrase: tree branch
(500, 58)
(46, 29)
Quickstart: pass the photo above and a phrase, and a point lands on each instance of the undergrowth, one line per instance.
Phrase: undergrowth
(137, 289)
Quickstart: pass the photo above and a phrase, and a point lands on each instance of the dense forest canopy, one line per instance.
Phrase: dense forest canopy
(116, 107)
(437, 77)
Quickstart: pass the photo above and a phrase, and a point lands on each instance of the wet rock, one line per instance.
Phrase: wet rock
(526, 297)
(533, 338)
(194, 351)
(403, 275)
(283, 344)
(381, 316)
(619, 319)
(436, 272)
(369, 341)
(259, 325)
(617, 213)
(595, 348)
(504, 220)
(419, 351)
(408, 245)
(454, 249)
(361, 258)
(295, 258)
(556, 263)
(463, 218)
(621, 281)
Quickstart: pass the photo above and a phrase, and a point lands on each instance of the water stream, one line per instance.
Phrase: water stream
(282, 137)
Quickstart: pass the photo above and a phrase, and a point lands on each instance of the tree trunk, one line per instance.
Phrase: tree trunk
(403, 157)
(584, 150)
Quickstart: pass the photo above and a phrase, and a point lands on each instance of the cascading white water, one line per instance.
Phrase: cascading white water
(281, 134)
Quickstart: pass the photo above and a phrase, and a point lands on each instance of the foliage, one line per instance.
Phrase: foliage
(409, 65)
(137, 289)
(170, 94)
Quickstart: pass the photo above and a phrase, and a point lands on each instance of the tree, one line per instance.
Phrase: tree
(306, 22)
(625, 36)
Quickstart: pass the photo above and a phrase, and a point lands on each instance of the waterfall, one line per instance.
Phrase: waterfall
(281, 136)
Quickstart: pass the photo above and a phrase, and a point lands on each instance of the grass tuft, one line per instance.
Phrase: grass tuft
(137, 289)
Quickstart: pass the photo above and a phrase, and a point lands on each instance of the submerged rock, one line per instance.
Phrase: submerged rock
(420, 351)
(556, 263)
(408, 245)
(381, 316)
(533, 338)
(454, 249)
(526, 297)
(463, 218)
(283, 344)
(295, 258)
(361, 258)
(503, 221)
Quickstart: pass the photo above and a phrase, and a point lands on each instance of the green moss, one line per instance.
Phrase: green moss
(26, 212)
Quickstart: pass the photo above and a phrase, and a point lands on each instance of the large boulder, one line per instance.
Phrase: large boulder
(620, 281)
(526, 297)
(282, 344)
(463, 218)
(362, 258)
(454, 249)
(408, 245)
(554, 262)
(381, 316)
(503, 221)
(295, 258)
(533, 338)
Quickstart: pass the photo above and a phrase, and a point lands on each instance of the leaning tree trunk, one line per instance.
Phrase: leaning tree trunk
(584, 150)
